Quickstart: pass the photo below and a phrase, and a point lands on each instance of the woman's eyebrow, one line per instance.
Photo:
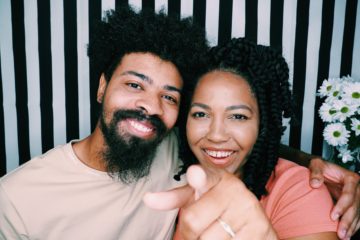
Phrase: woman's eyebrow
(241, 106)
(200, 105)
(234, 107)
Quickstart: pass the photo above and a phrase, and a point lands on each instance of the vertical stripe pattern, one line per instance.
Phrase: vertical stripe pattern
(58, 56)
(302, 23)
(48, 87)
(94, 15)
(251, 19)
(71, 74)
(17, 13)
(45, 64)
(8, 84)
(2, 133)
(323, 68)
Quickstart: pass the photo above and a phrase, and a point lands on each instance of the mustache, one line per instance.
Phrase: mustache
(157, 123)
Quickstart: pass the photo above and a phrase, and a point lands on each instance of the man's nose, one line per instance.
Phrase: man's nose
(151, 105)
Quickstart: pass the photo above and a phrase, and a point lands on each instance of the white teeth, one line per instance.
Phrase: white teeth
(140, 127)
(219, 154)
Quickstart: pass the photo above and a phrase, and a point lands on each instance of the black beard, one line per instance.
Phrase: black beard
(129, 157)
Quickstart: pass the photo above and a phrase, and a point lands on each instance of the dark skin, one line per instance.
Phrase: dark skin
(300, 157)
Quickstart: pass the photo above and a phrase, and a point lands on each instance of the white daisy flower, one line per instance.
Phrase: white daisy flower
(348, 78)
(327, 112)
(343, 110)
(345, 155)
(336, 134)
(355, 126)
(351, 92)
(330, 87)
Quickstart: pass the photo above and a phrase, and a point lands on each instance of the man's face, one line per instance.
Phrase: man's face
(140, 104)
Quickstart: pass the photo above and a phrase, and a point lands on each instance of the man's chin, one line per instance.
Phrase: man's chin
(131, 158)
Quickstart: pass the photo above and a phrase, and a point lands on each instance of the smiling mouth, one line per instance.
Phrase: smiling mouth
(218, 154)
(140, 127)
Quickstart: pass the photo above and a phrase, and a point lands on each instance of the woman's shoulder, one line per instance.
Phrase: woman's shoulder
(285, 166)
(294, 208)
(287, 173)
(290, 183)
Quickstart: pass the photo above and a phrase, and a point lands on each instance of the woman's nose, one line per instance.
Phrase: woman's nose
(217, 131)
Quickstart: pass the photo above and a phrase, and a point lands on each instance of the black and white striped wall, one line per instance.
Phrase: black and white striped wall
(45, 92)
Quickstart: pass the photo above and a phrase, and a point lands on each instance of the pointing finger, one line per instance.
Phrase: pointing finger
(169, 200)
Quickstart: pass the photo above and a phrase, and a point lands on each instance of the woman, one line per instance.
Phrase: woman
(234, 123)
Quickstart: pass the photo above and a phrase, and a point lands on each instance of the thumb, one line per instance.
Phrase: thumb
(202, 179)
(316, 172)
(169, 200)
(199, 182)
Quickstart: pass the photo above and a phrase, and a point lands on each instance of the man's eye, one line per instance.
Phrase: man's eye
(239, 117)
(134, 85)
(170, 99)
(198, 115)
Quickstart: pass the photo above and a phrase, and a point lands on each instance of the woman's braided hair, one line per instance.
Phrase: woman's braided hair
(267, 74)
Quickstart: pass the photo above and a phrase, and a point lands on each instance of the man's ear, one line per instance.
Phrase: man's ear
(101, 88)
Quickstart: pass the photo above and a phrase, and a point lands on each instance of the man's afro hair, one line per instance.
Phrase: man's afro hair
(125, 31)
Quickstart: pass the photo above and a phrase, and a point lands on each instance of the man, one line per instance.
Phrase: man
(93, 188)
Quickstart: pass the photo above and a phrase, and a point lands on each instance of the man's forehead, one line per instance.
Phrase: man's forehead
(151, 69)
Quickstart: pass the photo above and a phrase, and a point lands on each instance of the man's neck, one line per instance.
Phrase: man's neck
(88, 150)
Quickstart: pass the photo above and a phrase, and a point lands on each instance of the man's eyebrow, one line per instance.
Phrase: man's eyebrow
(139, 75)
(150, 81)
(172, 88)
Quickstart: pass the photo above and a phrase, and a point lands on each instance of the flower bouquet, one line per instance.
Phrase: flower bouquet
(340, 112)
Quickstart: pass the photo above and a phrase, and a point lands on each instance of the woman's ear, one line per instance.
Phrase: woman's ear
(101, 88)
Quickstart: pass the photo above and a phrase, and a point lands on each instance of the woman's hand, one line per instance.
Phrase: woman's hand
(210, 199)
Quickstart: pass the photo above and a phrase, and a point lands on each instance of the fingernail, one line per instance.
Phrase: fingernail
(335, 216)
(315, 182)
(343, 234)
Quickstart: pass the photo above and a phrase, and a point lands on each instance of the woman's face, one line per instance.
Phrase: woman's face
(223, 121)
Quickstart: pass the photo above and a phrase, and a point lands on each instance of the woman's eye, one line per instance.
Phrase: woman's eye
(239, 117)
(198, 115)
(170, 99)
(134, 85)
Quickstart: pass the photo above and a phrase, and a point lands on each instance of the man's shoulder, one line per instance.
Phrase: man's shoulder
(35, 167)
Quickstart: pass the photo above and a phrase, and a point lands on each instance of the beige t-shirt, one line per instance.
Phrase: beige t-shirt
(55, 196)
